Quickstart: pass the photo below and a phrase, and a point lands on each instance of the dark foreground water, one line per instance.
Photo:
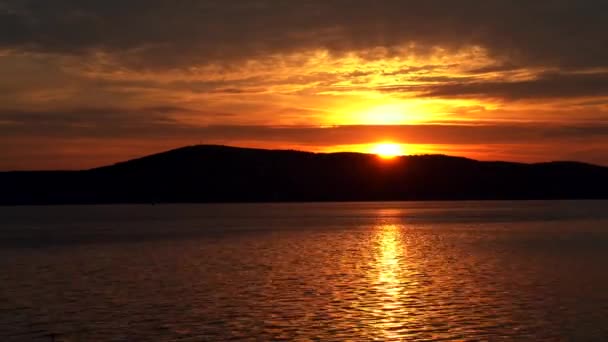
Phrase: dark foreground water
(333, 271)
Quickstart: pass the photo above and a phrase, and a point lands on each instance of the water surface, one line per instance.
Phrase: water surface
(517, 271)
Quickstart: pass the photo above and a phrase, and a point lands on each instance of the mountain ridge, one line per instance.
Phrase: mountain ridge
(217, 173)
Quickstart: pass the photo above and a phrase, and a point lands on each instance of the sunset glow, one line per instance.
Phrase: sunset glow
(388, 150)
(313, 77)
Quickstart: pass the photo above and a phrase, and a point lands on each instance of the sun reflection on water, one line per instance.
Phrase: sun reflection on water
(389, 258)
(390, 285)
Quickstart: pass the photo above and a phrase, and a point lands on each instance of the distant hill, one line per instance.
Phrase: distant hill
(210, 173)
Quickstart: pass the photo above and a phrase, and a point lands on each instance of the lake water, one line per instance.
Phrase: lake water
(324, 271)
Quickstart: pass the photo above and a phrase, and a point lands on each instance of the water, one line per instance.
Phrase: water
(329, 271)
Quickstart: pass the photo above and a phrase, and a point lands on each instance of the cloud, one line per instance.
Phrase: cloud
(161, 34)
(238, 71)
(160, 122)
(412, 134)
(547, 85)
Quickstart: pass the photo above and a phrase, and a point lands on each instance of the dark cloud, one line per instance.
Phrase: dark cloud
(501, 67)
(415, 69)
(158, 122)
(544, 86)
(495, 133)
(159, 33)
(88, 122)
(549, 85)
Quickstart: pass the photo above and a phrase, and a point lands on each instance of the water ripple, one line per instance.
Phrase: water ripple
(380, 277)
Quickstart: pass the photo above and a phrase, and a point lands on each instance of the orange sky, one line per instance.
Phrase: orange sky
(108, 82)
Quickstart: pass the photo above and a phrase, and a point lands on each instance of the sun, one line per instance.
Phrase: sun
(387, 150)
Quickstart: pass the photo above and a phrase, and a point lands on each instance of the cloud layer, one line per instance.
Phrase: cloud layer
(523, 75)
(158, 33)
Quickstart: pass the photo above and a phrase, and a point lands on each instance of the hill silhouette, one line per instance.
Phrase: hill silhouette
(211, 173)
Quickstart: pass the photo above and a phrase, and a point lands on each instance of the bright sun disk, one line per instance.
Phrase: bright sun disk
(387, 150)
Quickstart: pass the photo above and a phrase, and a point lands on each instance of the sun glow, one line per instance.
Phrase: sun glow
(387, 150)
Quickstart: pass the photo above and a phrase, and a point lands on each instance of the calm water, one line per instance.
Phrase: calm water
(333, 271)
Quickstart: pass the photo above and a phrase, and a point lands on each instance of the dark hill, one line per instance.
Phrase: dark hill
(228, 174)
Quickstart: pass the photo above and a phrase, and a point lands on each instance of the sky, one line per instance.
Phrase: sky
(86, 83)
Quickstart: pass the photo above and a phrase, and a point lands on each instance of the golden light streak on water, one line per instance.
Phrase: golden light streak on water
(391, 281)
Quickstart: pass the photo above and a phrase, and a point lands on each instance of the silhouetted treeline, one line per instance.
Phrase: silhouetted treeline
(228, 174)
